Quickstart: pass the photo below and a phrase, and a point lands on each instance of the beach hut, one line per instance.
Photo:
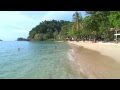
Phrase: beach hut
(116, 34)
(117, 37)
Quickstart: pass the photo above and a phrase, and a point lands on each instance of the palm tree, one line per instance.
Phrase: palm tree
(77, 19)
(77, 24)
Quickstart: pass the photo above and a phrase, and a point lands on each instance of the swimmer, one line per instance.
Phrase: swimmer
(55, 47)
(18, 49)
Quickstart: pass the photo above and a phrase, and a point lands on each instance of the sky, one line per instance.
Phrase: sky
(14, 24)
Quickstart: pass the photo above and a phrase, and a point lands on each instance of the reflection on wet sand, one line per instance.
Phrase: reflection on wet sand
(94, 65)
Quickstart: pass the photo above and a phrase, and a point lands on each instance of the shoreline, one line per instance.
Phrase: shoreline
(92, 62)
(109, 49)
(58, 41)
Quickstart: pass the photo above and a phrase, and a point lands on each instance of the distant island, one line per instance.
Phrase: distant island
(22, 39)
(1, 40)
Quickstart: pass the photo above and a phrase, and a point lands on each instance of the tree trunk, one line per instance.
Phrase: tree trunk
(77, 25)
(94, 38)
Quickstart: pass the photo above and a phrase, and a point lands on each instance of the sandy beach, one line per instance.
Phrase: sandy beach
(96, 60)
(109, 49)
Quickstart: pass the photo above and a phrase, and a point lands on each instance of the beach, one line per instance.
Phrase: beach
(96, 60)
(109, 49)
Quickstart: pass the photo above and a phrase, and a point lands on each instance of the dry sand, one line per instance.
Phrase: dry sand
(108, 49)
(97, 60)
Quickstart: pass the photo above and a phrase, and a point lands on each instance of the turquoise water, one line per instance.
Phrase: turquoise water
(35, 60)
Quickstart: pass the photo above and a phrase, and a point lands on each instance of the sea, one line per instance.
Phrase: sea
(36, 60)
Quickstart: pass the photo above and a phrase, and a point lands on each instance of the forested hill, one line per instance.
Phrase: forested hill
(96, 26)
(47, 30)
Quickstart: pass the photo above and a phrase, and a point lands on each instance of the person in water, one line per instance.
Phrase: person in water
(18, 49)
(55, 47)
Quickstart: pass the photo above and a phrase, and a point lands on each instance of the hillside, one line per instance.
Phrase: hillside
(47, 30)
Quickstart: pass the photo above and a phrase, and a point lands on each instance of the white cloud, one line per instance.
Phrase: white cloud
(14, 24)
(14, 17)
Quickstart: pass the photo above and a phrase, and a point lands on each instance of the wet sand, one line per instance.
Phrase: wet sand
(93, 64)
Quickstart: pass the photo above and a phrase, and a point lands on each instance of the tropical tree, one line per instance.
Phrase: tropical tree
(47, 30)
(77, 19)
(114, 19)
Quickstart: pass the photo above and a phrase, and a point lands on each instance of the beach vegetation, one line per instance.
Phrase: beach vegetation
(96, 26)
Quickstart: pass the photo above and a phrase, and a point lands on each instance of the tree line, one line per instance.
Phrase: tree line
(97, 25)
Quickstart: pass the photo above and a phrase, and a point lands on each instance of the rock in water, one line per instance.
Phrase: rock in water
(22, 39)
(1, 40)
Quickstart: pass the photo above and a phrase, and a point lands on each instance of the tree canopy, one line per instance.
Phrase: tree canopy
(47, 30)
(96, 25)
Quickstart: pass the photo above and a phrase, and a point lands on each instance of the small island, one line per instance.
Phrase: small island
(22, 39)
(1, 40)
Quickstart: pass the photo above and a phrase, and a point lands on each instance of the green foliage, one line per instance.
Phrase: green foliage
(77, 20)
(65, 30)
(47, 30)
(96, 25)
(97, 22)
(38, 37)
(114, 19)
(71, 33)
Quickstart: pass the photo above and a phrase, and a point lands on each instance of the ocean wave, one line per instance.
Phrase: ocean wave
(71, 55)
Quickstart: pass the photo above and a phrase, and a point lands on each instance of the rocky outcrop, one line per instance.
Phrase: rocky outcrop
(22, 39)
(1, 40)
